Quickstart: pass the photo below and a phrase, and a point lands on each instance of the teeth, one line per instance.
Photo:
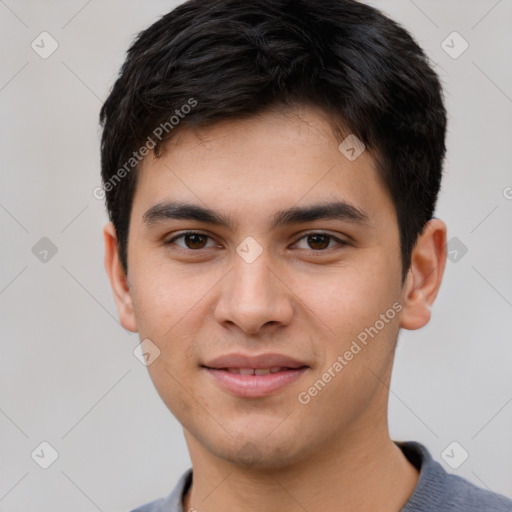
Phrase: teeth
(252, 371)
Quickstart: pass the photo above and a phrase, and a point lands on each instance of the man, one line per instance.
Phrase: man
(271, 170)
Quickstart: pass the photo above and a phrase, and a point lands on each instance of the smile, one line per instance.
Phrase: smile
(254, 383)
(255, 371)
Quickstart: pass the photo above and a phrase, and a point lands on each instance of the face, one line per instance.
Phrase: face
(307, 286)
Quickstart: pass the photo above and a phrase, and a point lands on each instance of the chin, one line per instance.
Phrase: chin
(260, 449)
(260, 456)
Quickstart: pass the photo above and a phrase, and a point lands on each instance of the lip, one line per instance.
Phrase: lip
(254, 386)
(258, 361)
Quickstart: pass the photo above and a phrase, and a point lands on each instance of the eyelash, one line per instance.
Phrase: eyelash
(312, 233)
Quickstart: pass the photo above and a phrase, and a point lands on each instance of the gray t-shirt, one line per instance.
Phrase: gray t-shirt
(436, 490)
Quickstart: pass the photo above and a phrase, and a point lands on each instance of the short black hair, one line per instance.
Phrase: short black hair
(213, 60)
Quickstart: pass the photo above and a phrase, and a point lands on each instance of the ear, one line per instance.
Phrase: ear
(428, 261)
(118, 279)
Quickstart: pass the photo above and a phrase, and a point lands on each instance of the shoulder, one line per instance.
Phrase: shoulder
(440, 491)
(461, 494)
(153, 506)
(173, 502)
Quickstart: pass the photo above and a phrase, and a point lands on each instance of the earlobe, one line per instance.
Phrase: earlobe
(428, 261)
(118, 280)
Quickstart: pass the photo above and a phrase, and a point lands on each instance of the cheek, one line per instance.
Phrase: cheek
(168, 311)
(171, 389)
(175, 371)
(346, 302)
(166, 297)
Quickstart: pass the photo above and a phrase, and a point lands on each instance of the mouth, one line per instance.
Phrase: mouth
(256, 376)
(255, 371)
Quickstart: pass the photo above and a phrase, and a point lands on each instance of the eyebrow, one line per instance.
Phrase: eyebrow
(337, 210)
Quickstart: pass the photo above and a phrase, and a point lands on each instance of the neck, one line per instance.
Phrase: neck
(363, 471)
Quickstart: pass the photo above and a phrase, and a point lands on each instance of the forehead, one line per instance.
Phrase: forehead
(257, 165)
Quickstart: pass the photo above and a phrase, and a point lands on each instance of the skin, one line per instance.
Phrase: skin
(299, 298)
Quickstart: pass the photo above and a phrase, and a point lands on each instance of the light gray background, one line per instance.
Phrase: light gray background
(67, 372)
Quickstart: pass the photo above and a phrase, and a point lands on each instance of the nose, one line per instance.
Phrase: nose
(254, 297)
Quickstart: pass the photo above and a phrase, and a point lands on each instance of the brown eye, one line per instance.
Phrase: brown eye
(318, 242)
(192, 241)
(195, 241)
